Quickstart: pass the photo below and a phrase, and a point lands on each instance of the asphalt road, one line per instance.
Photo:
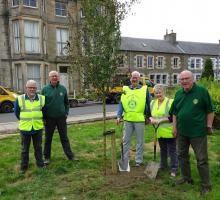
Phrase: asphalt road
(88, 108)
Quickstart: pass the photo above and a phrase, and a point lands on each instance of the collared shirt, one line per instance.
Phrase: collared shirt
(191, 109)
(147, 111)
(17, 111)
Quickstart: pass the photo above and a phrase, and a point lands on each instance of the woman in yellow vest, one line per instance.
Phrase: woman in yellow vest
(160, 116)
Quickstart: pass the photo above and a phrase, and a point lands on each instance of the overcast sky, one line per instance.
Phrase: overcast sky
(191, 20)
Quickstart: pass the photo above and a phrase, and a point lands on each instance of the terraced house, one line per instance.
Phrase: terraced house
(34, 35)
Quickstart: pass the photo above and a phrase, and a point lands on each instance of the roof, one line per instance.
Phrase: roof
(162, 46)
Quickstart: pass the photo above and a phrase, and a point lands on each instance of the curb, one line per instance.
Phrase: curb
(12, 127)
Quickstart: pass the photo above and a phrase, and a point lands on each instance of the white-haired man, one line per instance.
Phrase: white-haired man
(193, 115)
(57, 109)
(29, 110)
(135, 104)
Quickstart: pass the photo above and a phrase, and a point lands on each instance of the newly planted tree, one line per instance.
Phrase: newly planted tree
(94, 48)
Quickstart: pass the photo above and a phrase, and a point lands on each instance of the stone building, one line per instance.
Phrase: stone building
(163, 60)
(34, 35)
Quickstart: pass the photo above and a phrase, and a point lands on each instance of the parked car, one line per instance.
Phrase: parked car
(7, 100)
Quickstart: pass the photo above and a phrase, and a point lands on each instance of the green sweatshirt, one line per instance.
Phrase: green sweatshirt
(57, 104)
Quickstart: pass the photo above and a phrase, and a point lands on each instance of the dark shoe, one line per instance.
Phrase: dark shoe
(74, 159)
(138, 164)
(184, 181)
(22, 171)
(46, 161)
(205, 190)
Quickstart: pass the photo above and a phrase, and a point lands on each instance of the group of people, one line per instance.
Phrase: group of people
(182, 122)
(186, 120)
(36, 111)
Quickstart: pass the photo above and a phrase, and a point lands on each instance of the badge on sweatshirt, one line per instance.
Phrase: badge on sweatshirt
(61, 94)
(195, 101)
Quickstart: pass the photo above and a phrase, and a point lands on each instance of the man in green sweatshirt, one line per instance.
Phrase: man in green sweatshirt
(57, 108)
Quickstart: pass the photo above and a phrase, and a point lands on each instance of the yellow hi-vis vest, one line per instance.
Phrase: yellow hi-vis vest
(31, 115)
(134, 103)
(165, 128)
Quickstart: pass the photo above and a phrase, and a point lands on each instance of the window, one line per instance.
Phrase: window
(33, 73)
(195, 63)
(175, 79)
(62, 38)
(214, 62)
(63, 69)
(139, 61)
(46, 73)
(121, 61)
(44, 39)
(159, 78)
(81, 13)
(18, 77)
(160, 62)
(61, 9)
(16, 36)
(31, 36)
(150, 62)
(175, 62)
(152, 76)
(197, 76)
(30, 3)
(15, 2)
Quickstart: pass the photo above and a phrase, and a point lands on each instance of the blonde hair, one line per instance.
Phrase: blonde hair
(159, 87)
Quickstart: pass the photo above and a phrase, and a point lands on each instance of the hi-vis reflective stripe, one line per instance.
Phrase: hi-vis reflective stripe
(30, 119)
(165, 125)
(28, 110)
(166, 109)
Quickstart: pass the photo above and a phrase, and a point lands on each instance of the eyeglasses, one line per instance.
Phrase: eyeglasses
(184, 79)
(32, 88)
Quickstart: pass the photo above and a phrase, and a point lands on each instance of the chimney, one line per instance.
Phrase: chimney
(170, 37)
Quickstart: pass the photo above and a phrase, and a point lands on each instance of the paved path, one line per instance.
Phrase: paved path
(12, 127)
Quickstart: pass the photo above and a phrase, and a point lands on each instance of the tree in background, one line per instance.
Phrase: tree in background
(94, 47)
(208, 72)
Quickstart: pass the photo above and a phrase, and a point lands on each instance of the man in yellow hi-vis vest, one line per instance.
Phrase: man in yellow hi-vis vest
(135, 104)
(29, 111)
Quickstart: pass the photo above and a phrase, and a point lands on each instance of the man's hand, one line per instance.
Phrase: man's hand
(209, 130)
(118, 120)
(154, 121)
(174, 131)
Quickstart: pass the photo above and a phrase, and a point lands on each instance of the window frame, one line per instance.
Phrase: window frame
(160, 62)
(13, 3)
(60, 9)
(29, 2)
(37, 79)
(152, 60)
(139, 61)
(32, 38)
(193, 61)
(16, 36)
(63, 44)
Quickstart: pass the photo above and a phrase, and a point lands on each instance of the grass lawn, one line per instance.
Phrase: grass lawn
(85, 180)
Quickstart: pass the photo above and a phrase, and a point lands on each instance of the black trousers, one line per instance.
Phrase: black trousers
(51, 124)
(25, 146)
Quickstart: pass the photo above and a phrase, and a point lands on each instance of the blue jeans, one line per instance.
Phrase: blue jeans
(168, 148)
